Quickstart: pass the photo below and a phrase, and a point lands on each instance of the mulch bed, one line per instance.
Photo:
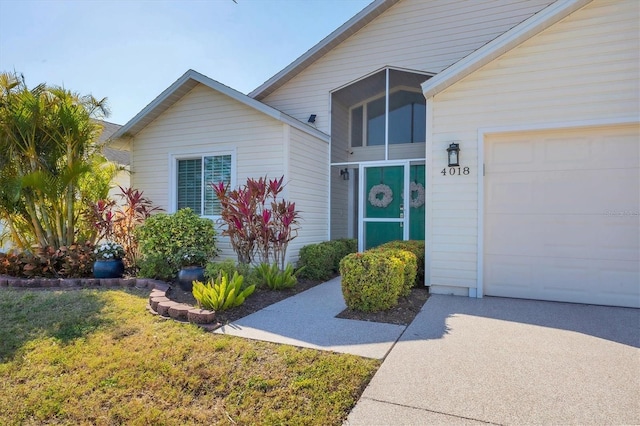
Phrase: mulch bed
(402, 314)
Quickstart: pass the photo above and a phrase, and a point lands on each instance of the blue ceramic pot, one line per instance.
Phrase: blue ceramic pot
(112, 268)
(188, 275)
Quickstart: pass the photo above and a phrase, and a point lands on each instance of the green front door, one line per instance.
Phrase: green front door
(385, 216)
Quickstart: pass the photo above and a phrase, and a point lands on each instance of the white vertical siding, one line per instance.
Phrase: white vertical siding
(308, 187)
(414, 34)
(205, 121)
(585, 67)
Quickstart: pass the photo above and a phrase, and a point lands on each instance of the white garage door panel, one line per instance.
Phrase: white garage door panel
(611, 282)
(582, 237)
(579, 192)
(561, 216)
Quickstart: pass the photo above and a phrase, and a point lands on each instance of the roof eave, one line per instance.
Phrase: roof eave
(163, 102)
(501, 44)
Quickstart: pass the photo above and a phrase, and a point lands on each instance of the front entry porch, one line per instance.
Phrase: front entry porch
(377, 202)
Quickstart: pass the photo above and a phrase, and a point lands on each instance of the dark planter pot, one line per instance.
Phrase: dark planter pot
(188, 275)
(112, 268)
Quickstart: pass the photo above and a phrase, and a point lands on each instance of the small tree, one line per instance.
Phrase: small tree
(47, 141)
(259, 225)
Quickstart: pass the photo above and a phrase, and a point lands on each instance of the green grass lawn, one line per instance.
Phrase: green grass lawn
(98, 357)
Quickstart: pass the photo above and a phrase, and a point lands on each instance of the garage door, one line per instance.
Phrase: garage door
(562, 217)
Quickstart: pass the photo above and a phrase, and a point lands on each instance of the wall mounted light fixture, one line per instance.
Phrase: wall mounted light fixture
(453, 154)
(344, 174)
(312, 118)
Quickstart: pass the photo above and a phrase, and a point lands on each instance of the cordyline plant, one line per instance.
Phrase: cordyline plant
(259, 225)
(114, 222)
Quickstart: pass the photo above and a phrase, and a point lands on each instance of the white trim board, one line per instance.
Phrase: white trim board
(173, 158)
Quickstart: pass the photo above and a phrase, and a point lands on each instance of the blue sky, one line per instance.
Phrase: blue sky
(130, 51)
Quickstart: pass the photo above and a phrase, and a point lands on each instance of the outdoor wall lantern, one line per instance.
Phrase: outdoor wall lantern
(312, 118)
(344, 174)
(453, 153)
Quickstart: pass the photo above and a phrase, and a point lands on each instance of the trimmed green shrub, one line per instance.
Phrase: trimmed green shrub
(371, 281)
(416, 247)
(168, 235)
(343, 247)
(157, 267)
(409, 263)
(320, 261)
(221, 293)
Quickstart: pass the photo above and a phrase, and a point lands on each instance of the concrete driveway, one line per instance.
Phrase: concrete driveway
(509, 361)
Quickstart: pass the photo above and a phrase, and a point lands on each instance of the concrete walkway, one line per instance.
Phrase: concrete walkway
(308, 320)
(474, 361)
(509, 361)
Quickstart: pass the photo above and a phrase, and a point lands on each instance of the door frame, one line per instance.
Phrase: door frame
(362, 198)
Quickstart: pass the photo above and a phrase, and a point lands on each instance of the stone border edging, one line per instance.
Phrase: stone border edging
(159, 303)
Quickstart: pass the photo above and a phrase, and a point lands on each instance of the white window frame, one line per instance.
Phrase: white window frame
(364, 104)
(193, 155)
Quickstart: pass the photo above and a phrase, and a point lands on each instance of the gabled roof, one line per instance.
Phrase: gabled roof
(118, 156)
(345, 31)
(501, 44)
(188, 81)
(108, 129)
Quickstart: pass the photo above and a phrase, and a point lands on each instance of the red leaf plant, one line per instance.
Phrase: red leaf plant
(117, 221)
(259, 226)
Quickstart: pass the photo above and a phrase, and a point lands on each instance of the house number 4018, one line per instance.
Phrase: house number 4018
(455, 171)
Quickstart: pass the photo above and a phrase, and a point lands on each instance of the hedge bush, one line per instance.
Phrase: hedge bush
(165, 236)
(414, 246)
(157, 266)
(371, 281)
(342, 248)
(322, 260)
(409, 262)
(318, 261)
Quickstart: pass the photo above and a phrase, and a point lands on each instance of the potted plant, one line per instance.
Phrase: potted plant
(191, 267)
(108, 262)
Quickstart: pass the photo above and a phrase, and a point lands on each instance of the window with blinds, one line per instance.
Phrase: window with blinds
(193, 178)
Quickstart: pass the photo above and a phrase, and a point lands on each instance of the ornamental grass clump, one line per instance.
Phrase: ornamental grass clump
(276, 279)
(222, 293)
(371, 281)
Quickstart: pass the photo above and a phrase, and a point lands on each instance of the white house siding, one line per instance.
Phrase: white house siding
(414, 34)
(308, 187)
(123, 179)
(339, 187)
(585, 67)
(206, 121)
